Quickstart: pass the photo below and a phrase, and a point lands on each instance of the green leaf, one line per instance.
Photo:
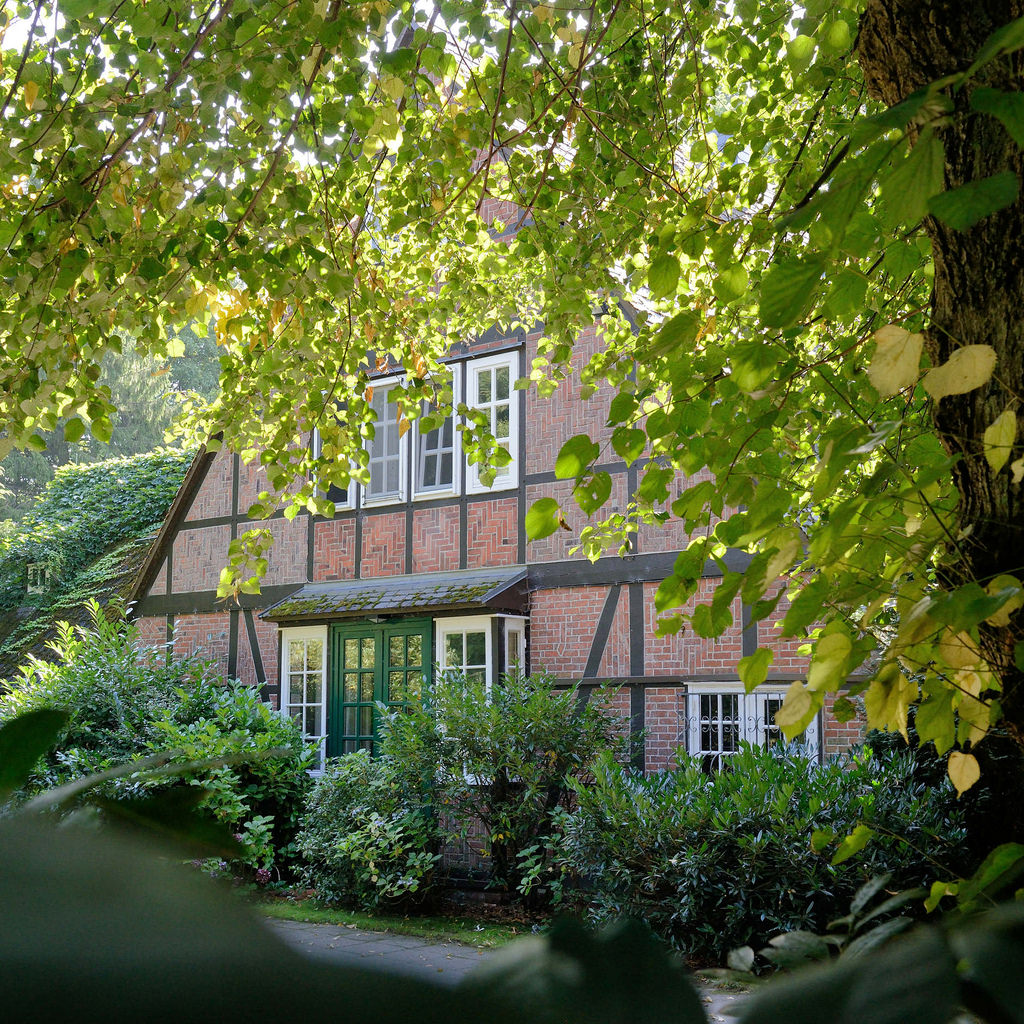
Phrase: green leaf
(151, 268)
(679, 332)
(1008, 107)
(788, 288)
(913, 182)
(542, 518)
(592, 493)
(23, 741)
(628, 443)
(1001, 869)
(575, 457)
(753, 669)
(1006, 39)
(935, 721)
(964, 207)
(74, 429)
(663, 276)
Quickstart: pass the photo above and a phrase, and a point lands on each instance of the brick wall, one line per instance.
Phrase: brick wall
(334, 549)
(664, 714)
(492, 532)
(199, 556)
(383, 545)
(838, 737)
(214, 496)
(288, 557)
(267, 639)
(152, 630)
(159, 584)
(207, 633)
(562, 627)
(435, 539)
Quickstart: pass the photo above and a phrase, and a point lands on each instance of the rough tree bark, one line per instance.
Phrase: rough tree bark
(977, 298)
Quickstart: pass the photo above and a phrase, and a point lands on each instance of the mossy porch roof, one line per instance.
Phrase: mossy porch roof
(499, 589)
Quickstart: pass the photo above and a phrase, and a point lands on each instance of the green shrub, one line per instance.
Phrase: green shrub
(505, 759)
(261, 799)
(712, 862)
(369, 835)
(126, 702)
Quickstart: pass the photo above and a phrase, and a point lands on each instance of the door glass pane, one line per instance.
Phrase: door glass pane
(366, 686)
(366, 721)
(396, 686)
(368, 652)
(414, 685)
(415, 655)
(350, 687)
(350, 721)
(296, 688)
(352, 653)
(349, 747)
(295, 656)
(397, 650)
(476, 649)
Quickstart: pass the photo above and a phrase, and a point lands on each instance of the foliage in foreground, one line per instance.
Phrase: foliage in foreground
(716, 861)
(126, 703)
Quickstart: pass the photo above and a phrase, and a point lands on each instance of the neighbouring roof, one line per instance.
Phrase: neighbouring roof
(498, 589)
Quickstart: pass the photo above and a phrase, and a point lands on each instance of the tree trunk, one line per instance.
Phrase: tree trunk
(977, 298)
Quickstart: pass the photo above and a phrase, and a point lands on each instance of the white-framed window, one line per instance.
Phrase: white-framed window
(490, 388)
(304, 681)
(386, 449)
(718, 717)
(515, 644)
(437, 454)
(464, 646)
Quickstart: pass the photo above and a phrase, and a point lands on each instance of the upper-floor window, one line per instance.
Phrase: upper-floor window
(437, 452)
(385, 448)
(490, 390)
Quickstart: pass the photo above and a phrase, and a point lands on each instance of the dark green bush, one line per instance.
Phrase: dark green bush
(126, 702)
(369, 835)
(712, 862)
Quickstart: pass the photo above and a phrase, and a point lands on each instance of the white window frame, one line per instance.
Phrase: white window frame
(369, 500)
(287, 636)
(752, 723)
(419, 492)
(514, 628)
(465, 624)
(510, 480)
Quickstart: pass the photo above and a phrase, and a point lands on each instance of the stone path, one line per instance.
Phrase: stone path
(444, 962)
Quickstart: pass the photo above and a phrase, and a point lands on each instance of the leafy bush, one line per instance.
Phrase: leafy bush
(369, 835)
(261, 798)
(717, 861)
(126, 702)
(505, 760)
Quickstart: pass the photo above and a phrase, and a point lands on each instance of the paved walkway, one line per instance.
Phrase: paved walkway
(444, 962)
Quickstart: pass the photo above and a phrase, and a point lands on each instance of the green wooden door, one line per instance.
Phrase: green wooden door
(373, 664)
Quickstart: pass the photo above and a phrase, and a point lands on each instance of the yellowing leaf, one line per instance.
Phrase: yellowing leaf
(1015, 601)
(575, 55)
(828, 661)
(797, 710)
(963, 771)
(1017, 469)
(896, 360)
(789, 543)
(542, 13)
(958, 650)
(888, 699)
(30, 92)
(403, 426)
(966, 369)
(999, 438)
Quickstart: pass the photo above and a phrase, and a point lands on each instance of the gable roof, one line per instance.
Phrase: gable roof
(468, 589)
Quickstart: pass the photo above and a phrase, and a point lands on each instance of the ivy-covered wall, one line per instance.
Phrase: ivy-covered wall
(90, 529)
